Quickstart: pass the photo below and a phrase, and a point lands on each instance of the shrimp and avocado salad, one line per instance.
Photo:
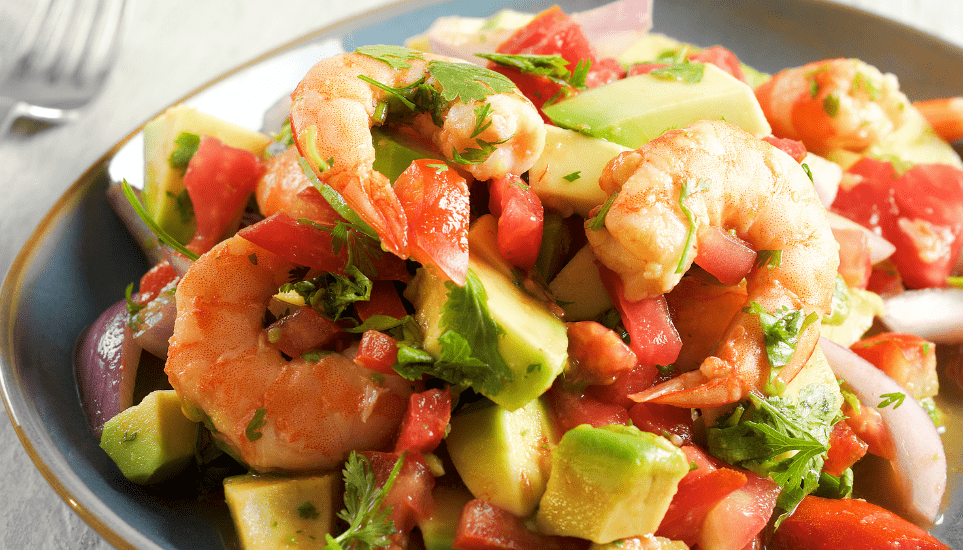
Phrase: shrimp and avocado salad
(559, 293)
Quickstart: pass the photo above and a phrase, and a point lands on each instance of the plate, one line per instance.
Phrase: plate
(80, 258)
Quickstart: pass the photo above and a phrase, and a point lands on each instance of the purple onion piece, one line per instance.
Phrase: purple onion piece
(613, 27)
(920, 463)
(145, 238)
(154, 324)
(106, 360)
(935, 314)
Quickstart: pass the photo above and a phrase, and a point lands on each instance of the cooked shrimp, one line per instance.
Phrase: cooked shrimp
(723, 177)
(333, 110)
(945, 115)
(833, 104)
(282, 180)
(276, 415)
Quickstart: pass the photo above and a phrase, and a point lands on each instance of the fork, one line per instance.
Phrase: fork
(61, 59)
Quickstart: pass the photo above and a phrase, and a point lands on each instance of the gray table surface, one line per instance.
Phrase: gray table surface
(173, 47)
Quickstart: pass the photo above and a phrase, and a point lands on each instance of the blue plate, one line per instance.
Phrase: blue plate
(80, 258)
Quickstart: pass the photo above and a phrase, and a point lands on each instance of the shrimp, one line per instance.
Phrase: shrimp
(282, 180)
(833, 104)
(276, 415)
(335, 105)
(670, 193)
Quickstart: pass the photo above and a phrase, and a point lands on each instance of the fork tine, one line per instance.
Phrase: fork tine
(76, 37)
(102, 47)
(50, 36)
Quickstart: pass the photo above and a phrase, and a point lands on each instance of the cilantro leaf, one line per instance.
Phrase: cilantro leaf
(336, 201)
(769, 258)
(369, 525)
(552, 67)
(573, 176)
(396, 57)
(465, 82)
(781, 332)
(776, 437)
(597, 222)
(895, 399)
(156, 229)
(686, 71)
(689, 187)
(187, 144)
(252, 432)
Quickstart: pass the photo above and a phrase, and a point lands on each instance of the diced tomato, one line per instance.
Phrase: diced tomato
(663, 419)
(652, 335)
(868, 425)
(725, 255)
(721, 57)
(521, 219)
(377, 351)
(571, 408)
(302, 331)
(425, 422)
(311, 205)
(219, 179)
(384, 300)
(736, 520)
(830, 524)
(410, 495)
(482, 526)
(794, 148)
(644, 68)
(845, 449)
(906, 358)
(435, 199)
(696, 495)
(597, 353)
(152, 282)
(642, 377)
(885, 280)
(920, 212)
(855, 265)
(538, 89)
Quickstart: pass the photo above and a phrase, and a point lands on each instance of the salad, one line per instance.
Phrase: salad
(582, 290)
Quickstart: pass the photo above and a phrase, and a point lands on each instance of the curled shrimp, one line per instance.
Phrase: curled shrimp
(671, 193)
(276, 415)
(282, 180)
(833, 104)
(336, 104)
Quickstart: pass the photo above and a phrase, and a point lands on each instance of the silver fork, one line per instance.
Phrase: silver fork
(60, 59)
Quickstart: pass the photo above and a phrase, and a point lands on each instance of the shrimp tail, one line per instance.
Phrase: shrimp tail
(691, 390)
(375, 201)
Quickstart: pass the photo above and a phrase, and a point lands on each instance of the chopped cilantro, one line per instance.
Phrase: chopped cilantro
(686, 71)
(573, 176)
(128, 436)
(465, 82)
(689, 187)
(156, 229)
(831, 105)
(862, 82)
(769, 258)
(781, 332)
(133, 308)
(187, 144)
(369, 524)
(895, 399)
(336, 200)
(308, 511)
(257, 422)
(481, 120)
(597, 221)
(809, 172)
(439, 167)
(552, 67)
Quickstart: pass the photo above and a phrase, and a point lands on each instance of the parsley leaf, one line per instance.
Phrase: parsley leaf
(781, 332)
(465, 82)
(187, 144)
(369, 525)
(396, 57)
(689, 187)
(776, 437)
(333, 293)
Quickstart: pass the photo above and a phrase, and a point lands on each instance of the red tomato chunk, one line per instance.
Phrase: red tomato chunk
(426, 421)
(483, 526)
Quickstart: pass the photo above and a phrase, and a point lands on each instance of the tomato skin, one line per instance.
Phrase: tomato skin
(845, 449)
(920, 212)
(425, 422)
(521, 220)
(597, 353)
(219, 178)
(640, 378)
(662, 419)
(435, 200)
(653, 337)
(906, 358)
(723, 58)
(571, 408)
(377, 351)
(794, 148)
(829, 524)
(482, 526)
(384, 300)
(868, 426)
(725, 256)
(738, 519)
(304, 330)
(152, 282)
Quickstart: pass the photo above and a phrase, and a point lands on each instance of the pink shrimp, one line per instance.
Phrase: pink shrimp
(670, 193)
(276, 415)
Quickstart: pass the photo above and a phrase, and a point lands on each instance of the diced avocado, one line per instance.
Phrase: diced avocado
(504, 457)
(610, 483)
(566, 175)
(164, 184)
(816, 371)
(637, 109)
(438, 531)
(532, 341)
(151, 441)
(556, 243)
(645, 542)
(915, 141)
(864, 306)
(394, 152)
(578, 288)
(283, 512)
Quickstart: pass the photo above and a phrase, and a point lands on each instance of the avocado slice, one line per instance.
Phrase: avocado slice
(151, 441)
(578, 288)
(915, 141)
(864, 306)
(645, 542)
(609, 483)
(532, 341)
(566, 175)
(637, 109)
(438, 530)
(163, 184)
(283, 512)
(504, 457)
(395, 151)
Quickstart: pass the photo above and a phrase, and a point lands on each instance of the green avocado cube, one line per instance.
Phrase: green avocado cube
(394, 152)
(609, 483)
(163, 184)
(438, 530)
(504, 457)
(151, 441)
(272, 511)
(638, 109)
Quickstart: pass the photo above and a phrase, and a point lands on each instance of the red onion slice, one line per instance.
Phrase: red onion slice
(826, 177)
(879, 248)
(106, 360)
(155, 324)
(920, 463)
(935, 314)
(613, 27)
